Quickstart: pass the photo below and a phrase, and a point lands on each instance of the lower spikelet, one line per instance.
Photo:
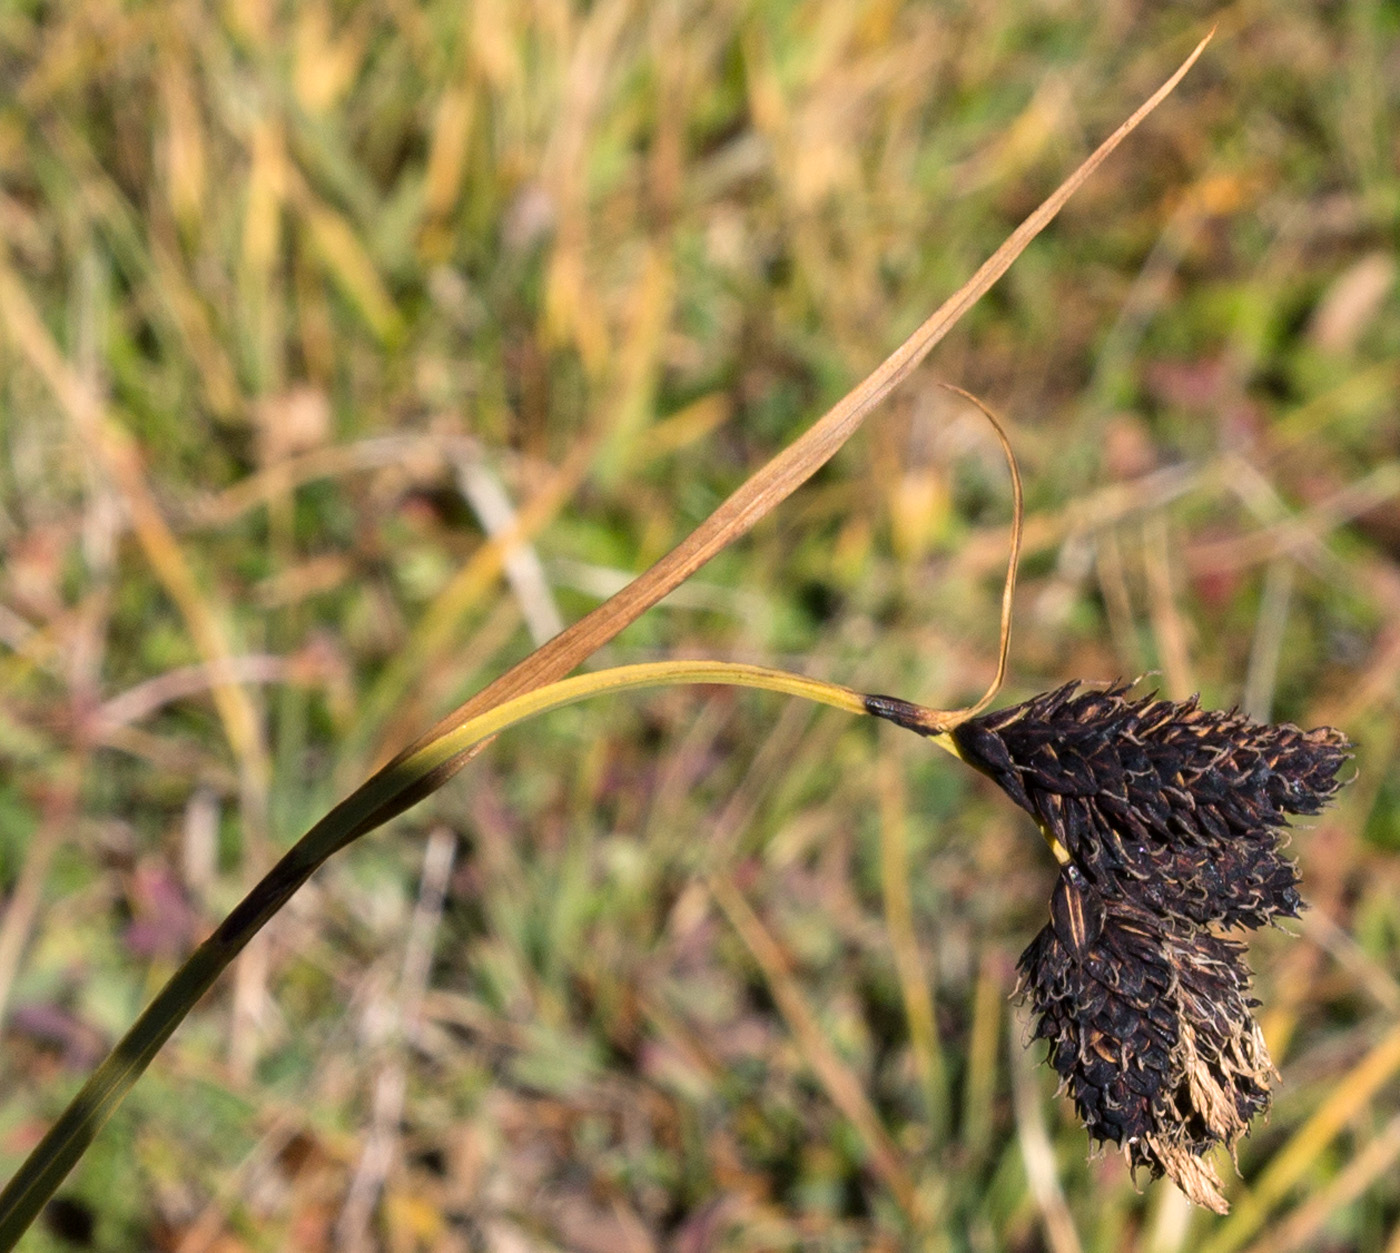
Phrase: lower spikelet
(1150, 1031)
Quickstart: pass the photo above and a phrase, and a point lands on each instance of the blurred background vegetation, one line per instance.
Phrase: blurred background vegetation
(302, 304)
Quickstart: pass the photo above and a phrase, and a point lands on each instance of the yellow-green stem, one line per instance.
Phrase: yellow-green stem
(380, 798)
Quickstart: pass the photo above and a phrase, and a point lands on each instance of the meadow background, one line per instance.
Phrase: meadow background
(347, 349)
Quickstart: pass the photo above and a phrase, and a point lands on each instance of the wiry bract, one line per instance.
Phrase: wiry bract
(1171, 817)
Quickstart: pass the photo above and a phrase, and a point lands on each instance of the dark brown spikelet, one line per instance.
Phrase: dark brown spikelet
(1169, 818)
(1150, 1031)
(1179, 807)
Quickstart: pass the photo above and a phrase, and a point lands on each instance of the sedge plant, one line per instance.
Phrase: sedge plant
(1164, 819)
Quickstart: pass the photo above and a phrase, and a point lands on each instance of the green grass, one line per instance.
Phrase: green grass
(266, 242)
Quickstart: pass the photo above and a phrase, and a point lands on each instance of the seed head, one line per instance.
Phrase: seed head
(1170, 818)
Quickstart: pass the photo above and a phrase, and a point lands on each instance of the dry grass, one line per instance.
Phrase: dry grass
(360, 287)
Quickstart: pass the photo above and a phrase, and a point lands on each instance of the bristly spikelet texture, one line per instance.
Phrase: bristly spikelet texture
(1178, 806)
(1150, 1031)
(1171, 817)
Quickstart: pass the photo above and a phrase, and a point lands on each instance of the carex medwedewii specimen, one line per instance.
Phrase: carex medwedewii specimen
(1168, 821)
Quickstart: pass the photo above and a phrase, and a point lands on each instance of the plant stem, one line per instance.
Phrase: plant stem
(380, 798)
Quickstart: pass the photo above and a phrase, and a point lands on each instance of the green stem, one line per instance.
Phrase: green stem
(387, 793)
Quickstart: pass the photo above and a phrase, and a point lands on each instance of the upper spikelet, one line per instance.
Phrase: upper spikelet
(1178, 806)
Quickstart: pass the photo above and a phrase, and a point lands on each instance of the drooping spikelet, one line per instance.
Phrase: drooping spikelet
(1150, 1031)
(1167, 819)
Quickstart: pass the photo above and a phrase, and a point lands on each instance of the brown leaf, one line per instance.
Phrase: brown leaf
(762, 491)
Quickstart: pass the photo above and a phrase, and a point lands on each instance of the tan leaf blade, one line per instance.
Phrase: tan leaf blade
(777, 480)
